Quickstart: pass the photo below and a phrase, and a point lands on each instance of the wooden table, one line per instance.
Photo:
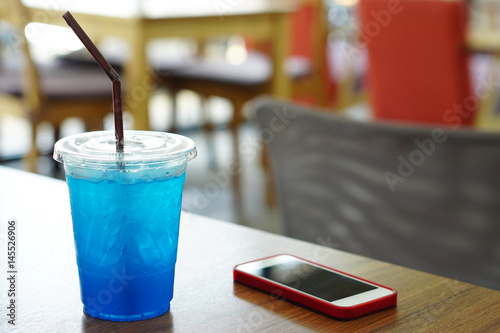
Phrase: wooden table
(206, 298)
(138, 22)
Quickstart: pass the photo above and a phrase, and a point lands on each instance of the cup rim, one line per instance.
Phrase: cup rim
(140, 147)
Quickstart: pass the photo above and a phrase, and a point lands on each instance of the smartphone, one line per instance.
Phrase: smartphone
(321, 288)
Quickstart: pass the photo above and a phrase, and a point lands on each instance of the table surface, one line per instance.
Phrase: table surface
(206, 299)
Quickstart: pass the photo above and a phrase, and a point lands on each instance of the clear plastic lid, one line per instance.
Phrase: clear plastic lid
(140, 147)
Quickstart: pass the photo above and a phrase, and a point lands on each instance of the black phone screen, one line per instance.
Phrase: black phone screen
(313, 280)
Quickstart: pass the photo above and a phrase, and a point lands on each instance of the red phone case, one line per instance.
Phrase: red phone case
(314, 303)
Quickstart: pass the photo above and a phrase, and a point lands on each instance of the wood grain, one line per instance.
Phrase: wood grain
(206, 299)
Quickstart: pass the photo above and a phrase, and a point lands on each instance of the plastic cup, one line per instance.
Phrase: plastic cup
(126, 209)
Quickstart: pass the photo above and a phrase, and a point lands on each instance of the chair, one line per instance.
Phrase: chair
(422, 197)
(50, 92)
(240, 83)
(418, 67)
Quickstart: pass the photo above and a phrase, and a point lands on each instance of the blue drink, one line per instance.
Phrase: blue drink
(126, 227)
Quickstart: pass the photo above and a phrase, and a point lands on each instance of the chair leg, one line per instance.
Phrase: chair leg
(207, 124)
(1, 158)
(236, 175)
(269, 179)
(90, 125)
(57, 131)
(57, 135)
(174, 108)
(31, 158)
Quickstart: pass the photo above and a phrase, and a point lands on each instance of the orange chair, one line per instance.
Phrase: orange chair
(309, 47)
(418, 64)
(240, 83)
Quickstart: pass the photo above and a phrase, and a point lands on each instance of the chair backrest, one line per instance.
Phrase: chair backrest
(423, 197)
(309, 30)
(417, 55)
(16, 14)
(309, 39)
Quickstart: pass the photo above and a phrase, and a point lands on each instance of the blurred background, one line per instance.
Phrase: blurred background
(201, 74)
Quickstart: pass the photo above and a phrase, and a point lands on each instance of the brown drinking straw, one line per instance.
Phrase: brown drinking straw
(110, 71)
